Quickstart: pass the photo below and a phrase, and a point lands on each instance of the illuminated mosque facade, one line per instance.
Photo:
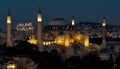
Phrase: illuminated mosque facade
(59, 32)
(65, 37)
(66, 34)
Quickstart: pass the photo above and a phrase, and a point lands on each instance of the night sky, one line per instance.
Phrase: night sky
(83, 10)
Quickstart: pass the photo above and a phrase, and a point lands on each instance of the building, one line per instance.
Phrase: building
(60, 32)
(18, 63)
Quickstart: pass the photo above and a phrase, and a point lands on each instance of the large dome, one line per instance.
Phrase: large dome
(57, 21)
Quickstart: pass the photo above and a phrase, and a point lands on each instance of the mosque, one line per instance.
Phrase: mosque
(60, 35)
(63, 36)
(59, 32)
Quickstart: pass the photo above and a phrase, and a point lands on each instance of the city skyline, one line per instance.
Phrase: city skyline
(80, 34)
(83, 10)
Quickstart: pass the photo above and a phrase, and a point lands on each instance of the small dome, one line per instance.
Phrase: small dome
(57, 21)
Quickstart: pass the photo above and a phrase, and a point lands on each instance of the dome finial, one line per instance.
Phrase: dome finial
(8, 12)
(39, 10)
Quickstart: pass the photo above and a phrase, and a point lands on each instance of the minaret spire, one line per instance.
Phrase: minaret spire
(39, 10)
(39, 30)
(9, 38)
(39, 15)
(9, 12)
(104, 17)
(104, 31)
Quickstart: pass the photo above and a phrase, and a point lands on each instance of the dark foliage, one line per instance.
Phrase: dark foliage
(53, 60)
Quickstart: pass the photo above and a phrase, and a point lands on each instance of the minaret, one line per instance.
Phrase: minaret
(67, 37)
(104, 32)
(9, 39)
(86, 37)
(39, 31)
(86, 40)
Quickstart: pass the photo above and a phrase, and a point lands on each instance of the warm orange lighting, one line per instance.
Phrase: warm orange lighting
(47, 43)
(73, 22)
(39, 18)
(67, 43)
(11, 66)
(71, 40)
(60, 40)
(32, 40)
(103, 24)
(86, 42)
(78, 37)
(8, 19)
(43, 43)
(67, 39)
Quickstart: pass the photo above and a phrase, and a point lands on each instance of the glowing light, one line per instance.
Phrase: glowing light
(43, 43)
(24, 26)
(73, 22)
(78, 37)
(67, 43)
(71, 40)
(103, 24)
(59, 40)
(8, 19)
(86, 42)
(39, 19)
(11, 66)
(32, 40)
(47, 43)
(67, 39)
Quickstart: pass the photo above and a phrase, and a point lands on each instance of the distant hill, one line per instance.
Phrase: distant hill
(96, 25)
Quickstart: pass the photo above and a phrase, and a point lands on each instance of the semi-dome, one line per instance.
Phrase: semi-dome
(57, 21)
